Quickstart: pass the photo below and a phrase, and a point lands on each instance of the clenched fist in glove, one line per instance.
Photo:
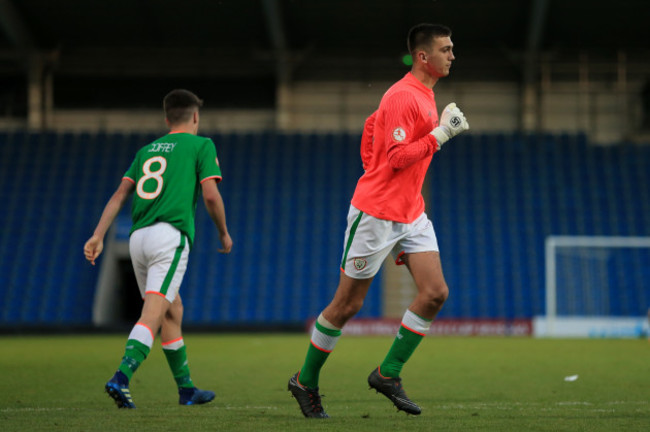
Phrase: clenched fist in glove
(452, 122)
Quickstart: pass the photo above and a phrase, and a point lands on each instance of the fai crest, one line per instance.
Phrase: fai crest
(399, 134)
(360, 263)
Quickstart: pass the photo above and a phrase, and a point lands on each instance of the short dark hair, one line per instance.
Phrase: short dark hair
(179, 105)
(421, 36)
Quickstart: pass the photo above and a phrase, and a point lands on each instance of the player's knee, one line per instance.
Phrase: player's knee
(175, 310)
(352, 308)
(436, 295)
(345, 311)
(177, 307)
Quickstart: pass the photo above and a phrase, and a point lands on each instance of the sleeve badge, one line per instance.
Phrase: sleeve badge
(399, 134)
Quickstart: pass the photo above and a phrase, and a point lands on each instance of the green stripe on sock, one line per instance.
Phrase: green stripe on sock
(327, 331)
(403, 346)
(172, 268)
(353, 231)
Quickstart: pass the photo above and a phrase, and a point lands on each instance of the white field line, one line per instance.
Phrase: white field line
(539, 405)
(233, 408)
(245, 407)
(30, 409)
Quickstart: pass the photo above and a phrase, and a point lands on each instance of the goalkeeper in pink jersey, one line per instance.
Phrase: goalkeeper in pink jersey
(387, 216)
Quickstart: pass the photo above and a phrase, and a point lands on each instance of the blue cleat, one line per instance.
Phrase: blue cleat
(194, 396)
(118, 389)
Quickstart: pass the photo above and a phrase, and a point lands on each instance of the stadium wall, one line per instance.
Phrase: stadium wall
(606, 111)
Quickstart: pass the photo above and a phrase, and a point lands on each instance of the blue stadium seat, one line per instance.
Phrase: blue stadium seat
(493, 199)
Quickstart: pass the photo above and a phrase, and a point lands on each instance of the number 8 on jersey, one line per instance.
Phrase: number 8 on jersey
(152, 175)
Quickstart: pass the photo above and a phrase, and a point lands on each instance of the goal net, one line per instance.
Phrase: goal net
(596, 287)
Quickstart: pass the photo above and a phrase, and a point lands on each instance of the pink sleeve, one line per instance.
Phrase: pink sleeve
(403, 148)
(367, 139)
(403, 155)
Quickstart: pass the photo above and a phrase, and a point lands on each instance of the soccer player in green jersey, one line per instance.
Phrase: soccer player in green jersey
(167, 177)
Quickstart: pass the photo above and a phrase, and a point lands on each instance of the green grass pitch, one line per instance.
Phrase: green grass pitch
(55, 383)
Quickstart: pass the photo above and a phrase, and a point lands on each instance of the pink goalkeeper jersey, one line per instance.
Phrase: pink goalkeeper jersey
(396, 149)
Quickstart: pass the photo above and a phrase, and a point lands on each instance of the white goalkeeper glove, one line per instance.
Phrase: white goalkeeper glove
(452, 122)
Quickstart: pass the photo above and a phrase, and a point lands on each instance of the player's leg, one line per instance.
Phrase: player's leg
(419, 251)
(432, 293)
(430, 281)
(138, 346)
(142, 335)
(367, 243)
(159, 255)
(347, 301)
(173, 345)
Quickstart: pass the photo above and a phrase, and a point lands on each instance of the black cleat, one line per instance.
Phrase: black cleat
(308, 399)
(393, 390)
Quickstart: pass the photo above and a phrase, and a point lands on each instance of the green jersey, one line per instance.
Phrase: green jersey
(167, 175)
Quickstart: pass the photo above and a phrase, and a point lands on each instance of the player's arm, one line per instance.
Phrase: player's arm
(403, 147)
(95, 244)
(402, 154)
(367, 139)
(216, 209)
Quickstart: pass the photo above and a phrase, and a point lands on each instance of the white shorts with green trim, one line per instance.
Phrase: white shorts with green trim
(369, 240)
(159, 254)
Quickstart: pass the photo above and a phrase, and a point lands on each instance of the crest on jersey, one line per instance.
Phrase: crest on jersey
(359, 263)
(399, 134)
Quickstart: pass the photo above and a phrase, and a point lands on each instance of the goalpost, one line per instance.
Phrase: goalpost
(596, 286)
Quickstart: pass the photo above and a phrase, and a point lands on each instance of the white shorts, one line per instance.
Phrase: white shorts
(369, 240)
(159, 255)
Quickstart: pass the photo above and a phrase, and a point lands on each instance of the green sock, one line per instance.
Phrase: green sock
(408, 338)
(323, 340)
(134, 355)
(177, 360)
